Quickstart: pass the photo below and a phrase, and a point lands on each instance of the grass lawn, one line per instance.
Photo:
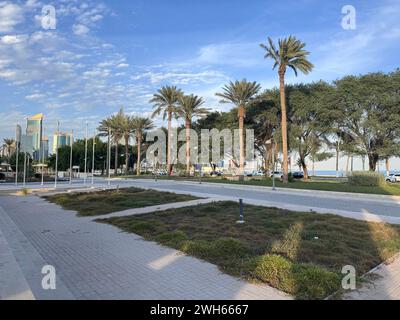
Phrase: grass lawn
(299, 253)
(328, 185)
(103, 202)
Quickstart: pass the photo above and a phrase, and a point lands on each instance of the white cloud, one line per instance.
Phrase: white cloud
(10, 16)
(80, 29)
(35, 96)
(123, 65)
(13, 39)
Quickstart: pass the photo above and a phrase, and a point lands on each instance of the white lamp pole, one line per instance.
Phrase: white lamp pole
(56, 173)
(86, 138)
(71, 142)
(109, 156)
(94, 144)
(16, 156)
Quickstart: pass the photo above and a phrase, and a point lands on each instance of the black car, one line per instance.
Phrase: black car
(298, 175)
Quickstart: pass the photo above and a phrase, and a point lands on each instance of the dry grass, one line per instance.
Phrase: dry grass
(103, 202)
(312, 248)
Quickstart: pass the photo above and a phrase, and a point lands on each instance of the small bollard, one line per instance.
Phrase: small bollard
(241, 212)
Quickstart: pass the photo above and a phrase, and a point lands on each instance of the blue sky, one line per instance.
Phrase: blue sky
(107, 54)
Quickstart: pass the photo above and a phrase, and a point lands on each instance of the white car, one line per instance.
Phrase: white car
(394, 177)
(277, 174)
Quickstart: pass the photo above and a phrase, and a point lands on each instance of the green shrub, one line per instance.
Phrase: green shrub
(304, 281)
(370, 179)
(142, 226)
(276, 271)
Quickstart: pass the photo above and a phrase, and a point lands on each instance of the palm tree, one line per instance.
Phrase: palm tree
(165, 101)
(9, 144)
(189, 107)
(240, 93)
(139, 126)
(114, 123)
(290, 54)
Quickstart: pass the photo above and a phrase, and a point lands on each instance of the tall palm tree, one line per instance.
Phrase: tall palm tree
(165, 101)
(290, 54)
(140, 126)
(189, 107)
(114, 123)
(9, 144)
(240, 93)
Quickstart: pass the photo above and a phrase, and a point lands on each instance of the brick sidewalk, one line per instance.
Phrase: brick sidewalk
(98, 261)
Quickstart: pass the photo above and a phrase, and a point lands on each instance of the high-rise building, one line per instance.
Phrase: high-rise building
(34, 130)
(64, 139)
(45, 147)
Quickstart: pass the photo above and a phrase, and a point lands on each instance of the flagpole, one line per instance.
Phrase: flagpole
(94, 143)
(70, 156)
(26, 131)
(109, 155)
(42, 145)
(16, 156)
(86, 138)
(56, 175)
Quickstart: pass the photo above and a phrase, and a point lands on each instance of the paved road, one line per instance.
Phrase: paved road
(292, 199)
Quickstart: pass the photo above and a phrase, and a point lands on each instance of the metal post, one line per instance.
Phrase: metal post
(93, 153)
(71, 142)
(56, 173)
(274, 166)
(200, 173)
(241, 212)
(109, 156)
(86, 137)
(25, 154)
(16, 156)
(42, 183)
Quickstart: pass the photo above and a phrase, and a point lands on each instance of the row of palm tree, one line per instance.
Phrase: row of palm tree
(122, 126)
(171, 102)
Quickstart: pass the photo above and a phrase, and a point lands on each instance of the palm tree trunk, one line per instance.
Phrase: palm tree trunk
(284, 126)
(116, 160)
(337, 159)
(387, 166)
(126, 153)
(187, 147)
(169, 168)
(241, 114)
(139, 144)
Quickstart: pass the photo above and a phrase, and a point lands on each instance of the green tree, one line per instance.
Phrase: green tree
(189, 107)
(241, 94)
(139, 127)
(165, 102)
(370, 105)
(290, 54)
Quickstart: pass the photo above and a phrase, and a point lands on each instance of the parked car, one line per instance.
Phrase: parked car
(258, 173)
(298, 175)
(276, 174)
(394, 177)
(216, 173)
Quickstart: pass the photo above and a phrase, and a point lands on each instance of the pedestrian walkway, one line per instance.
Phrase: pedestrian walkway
(98, 261)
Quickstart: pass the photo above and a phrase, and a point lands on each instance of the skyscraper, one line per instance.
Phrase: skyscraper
(64, 139)
(34, 130)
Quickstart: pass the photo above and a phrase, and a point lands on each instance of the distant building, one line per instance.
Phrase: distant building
(45, 147)
(34, 131)
(64, 139)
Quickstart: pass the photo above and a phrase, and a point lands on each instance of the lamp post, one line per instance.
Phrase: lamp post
(109, 156)
(56, 173)
(93, 153)
(16, 156)
(70, 156)
(86, 138)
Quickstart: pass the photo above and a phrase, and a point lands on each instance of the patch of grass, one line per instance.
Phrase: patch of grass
(107, 201)
(299, 252)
